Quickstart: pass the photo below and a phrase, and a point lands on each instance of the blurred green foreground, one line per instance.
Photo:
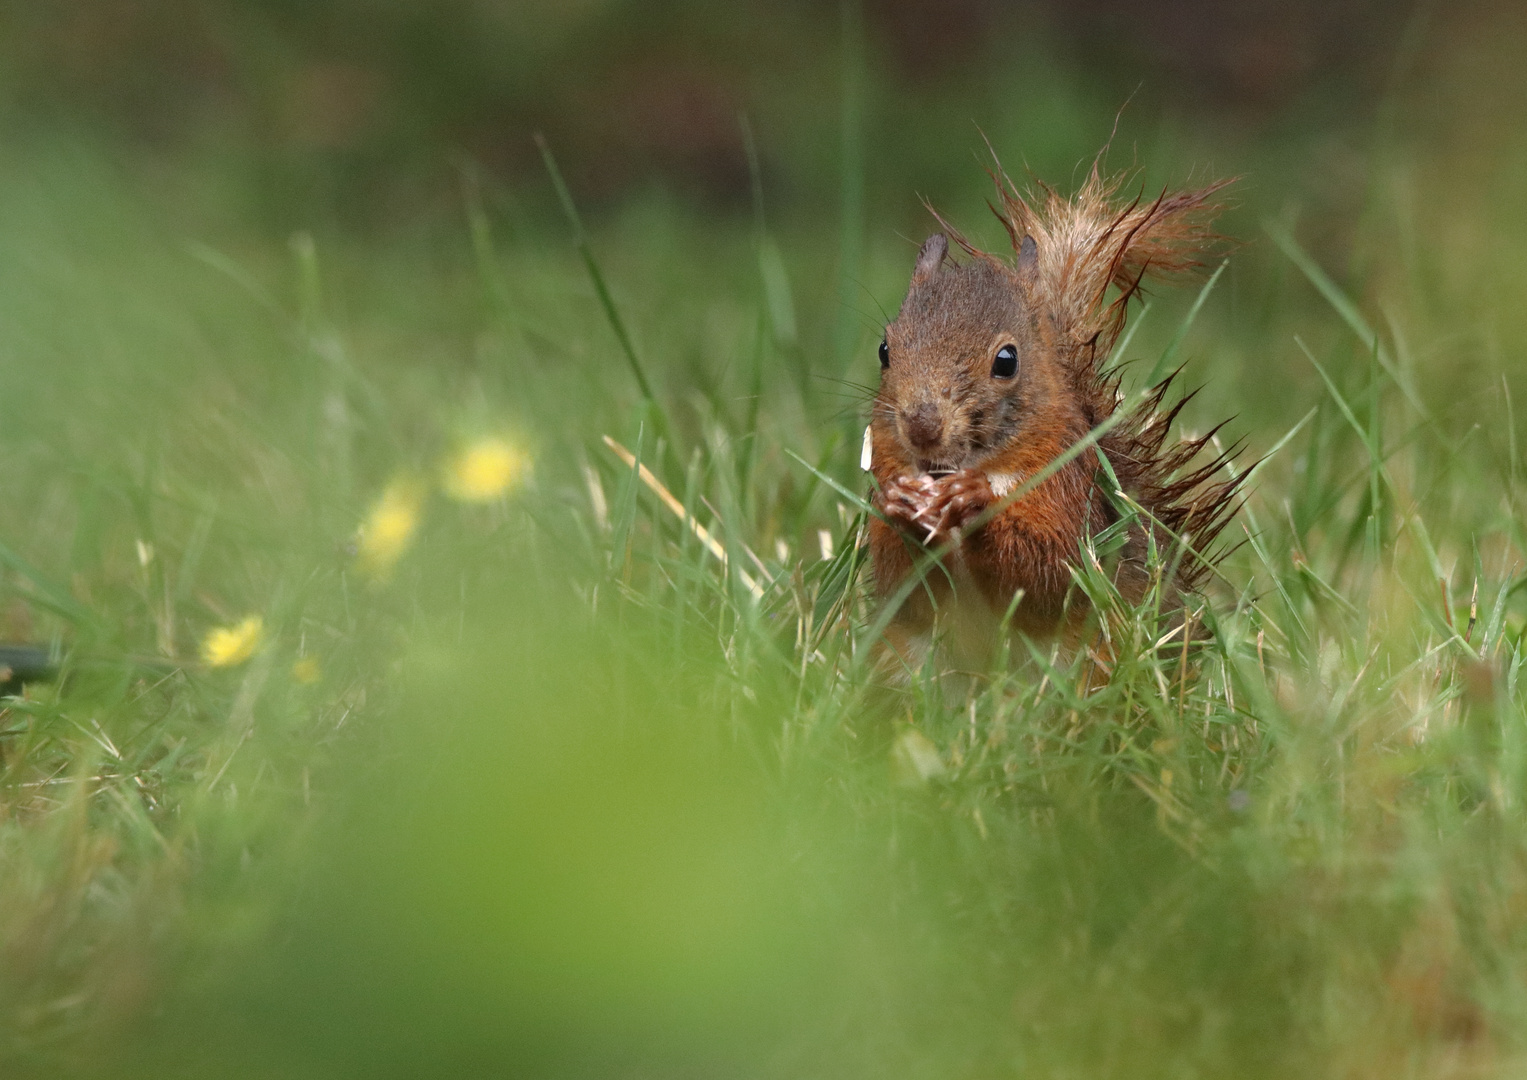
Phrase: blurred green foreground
(404, 730)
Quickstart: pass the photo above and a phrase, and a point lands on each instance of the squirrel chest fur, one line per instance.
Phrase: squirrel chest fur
(993, 370)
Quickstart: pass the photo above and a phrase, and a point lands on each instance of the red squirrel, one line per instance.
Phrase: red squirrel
(992, 369)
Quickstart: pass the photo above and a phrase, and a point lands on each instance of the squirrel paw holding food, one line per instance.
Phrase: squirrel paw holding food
(934, 509)
(994, 369)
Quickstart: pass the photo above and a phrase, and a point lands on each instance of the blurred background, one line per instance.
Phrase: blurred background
(1371, 130)
(360, 112)
(265, 265)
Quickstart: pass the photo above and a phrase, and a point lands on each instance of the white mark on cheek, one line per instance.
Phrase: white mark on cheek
(867, 455)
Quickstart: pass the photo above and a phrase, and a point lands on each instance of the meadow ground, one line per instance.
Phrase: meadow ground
(405, 730)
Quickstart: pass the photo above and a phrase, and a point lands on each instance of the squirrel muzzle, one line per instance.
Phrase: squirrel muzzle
(923, 427)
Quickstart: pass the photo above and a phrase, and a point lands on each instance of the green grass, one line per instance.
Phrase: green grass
(572, 798)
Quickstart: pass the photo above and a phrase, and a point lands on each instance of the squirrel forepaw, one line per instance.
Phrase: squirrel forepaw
(904, 500)
(934, 509)
(959, 499)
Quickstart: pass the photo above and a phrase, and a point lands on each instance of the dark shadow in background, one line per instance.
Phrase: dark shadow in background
(639, 92)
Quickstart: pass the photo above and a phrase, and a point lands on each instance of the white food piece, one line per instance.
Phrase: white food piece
(1002, 482)
(866, 455)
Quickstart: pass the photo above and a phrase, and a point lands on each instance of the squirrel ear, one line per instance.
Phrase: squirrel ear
(1028, 257)
(930, 257)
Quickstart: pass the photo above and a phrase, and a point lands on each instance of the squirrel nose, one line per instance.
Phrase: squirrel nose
(923, 426)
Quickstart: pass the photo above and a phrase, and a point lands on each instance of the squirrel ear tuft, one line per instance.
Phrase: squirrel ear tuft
(930, 257)
(1028, 257)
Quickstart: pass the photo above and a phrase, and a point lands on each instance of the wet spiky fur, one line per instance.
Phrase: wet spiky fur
(1086, 244)
(941, 406)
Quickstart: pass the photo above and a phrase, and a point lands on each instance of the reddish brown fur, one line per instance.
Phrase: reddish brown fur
(941, 411)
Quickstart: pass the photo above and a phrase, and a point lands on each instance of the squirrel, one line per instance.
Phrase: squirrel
(992, 369)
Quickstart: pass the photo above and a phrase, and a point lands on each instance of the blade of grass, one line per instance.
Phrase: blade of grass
(1346, 309)
(667, 498)
(1164, 361)
(596, 276)
(851, 180)
(760, 345)
(1253, 529)
(49, 594)
(489, 272)
(1129, 331)
(1378, 475)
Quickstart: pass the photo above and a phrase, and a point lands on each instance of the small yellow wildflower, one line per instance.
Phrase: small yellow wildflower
(389, 529)
(227, 646)
(306, 671)
(486, 470)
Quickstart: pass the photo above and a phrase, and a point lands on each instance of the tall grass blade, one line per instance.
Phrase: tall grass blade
(1164, 361)
(851, 182)
(677, 508)
(1347, 310)
(596, 276)
(489, 271)
(47, 593)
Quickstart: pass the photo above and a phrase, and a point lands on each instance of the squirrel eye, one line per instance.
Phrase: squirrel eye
(1005, 365)
(885, 356)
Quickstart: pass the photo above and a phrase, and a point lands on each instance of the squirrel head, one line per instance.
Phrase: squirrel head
(966, 361)
(991, 351)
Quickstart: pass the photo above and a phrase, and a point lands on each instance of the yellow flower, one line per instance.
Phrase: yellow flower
(306, 671)
(389, 529)
(227, 646)
(485, 470)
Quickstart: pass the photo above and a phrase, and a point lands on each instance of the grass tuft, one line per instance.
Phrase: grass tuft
(384, 743)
